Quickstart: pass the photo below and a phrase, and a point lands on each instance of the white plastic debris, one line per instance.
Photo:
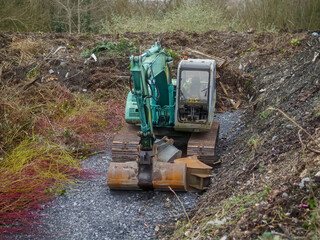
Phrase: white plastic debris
(262, 90)
(58, 49)
(51, 71)
(94, 57)
(315, 34)
(303, 181)
(316, 54)
(84, 90)
(317, 176)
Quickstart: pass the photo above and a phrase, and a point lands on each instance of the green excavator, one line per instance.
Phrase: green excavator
(169, 139)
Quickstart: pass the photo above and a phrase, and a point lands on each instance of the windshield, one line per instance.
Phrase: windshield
(194, 85)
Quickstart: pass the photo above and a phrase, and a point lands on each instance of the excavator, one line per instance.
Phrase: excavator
(169, 139)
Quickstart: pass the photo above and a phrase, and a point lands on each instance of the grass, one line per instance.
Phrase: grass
(45, 131)
(202, 16)
(210, 219)
(163, 16)
(122, 49)
(187, 17)
(31, 174)
(28, 48)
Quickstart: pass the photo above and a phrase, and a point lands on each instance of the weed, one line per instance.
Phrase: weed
(270, 236)
(263, 115)
(253, 48)
(122, 49)
(253, 142)
(261, 167)
(295, 42)
(32, 73)
(230, 211)
(282, 51)
(173, 54)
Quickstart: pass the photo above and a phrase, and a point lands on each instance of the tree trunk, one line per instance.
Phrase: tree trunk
(79, 17)
(69, 12)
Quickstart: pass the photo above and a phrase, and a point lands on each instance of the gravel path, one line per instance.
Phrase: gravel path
(91, 211)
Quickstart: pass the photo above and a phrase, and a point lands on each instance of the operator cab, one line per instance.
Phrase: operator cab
(195, 97)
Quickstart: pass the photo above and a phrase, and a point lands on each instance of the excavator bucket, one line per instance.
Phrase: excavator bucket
(124, 176)
(166, 169)
(152, 169)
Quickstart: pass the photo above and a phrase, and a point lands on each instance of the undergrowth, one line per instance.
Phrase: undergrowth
(202, 16)
(210, 220)
(112, 49)
(44, 131)
(33, 172)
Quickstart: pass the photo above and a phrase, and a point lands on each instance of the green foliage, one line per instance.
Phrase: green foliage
(121, 49)
(261, 167)
(295, 42)
(32, 73)
(158, 16)
(263, 115)
(188, 17)
(173, 54)
(231, 210)
(313, 222)
(270, 236)
(282, 51)
(253, 48)
(253, 142)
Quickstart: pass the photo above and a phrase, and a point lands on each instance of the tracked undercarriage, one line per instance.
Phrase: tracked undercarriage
(194, 146)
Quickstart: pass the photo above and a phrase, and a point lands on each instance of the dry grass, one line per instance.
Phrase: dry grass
(44, 131)
(27, 49)
(202, 16)
(55, 113)
(33, 172)
(154, 16)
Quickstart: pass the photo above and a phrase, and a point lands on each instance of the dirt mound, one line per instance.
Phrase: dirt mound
(267, 185)
(62, 58)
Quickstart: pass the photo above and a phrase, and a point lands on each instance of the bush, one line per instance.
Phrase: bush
(202, 16)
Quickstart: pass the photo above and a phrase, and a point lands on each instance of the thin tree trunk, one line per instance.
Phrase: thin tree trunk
(69, 16)
(79, 17)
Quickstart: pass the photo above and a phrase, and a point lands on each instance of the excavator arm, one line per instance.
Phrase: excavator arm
(158, 164)
(152, 88)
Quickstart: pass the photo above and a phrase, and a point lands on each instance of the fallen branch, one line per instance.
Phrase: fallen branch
(220, 61)
(29, 83)
(298, 126)
(7, 104)
(223, 89)
(185, 212)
